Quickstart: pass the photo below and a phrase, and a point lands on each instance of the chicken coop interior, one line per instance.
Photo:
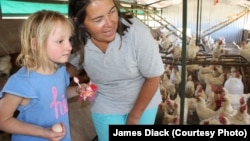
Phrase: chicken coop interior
(204, 45)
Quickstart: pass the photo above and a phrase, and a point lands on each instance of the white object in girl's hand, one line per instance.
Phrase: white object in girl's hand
(76, 80)
(57, 127)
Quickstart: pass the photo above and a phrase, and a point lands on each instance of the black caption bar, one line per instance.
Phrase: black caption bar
(177, 132)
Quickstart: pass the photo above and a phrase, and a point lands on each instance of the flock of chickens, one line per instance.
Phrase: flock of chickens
(214, 94)
(5, 65)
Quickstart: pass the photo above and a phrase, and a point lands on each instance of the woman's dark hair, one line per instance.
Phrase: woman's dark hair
(77, 13)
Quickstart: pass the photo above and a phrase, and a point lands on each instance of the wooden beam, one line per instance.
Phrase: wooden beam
(9, 37)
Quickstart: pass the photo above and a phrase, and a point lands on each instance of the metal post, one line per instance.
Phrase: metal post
(183, 70)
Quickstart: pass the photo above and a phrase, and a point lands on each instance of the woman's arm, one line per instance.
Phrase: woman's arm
(147, 92)
(73, 90)
(72, 70)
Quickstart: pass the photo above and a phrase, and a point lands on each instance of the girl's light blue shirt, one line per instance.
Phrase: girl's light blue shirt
(48, 100)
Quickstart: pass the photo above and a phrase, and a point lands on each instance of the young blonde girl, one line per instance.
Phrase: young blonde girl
(38, 90)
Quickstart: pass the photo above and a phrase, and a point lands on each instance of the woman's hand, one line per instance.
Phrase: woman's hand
(132, 120)
(82, 89)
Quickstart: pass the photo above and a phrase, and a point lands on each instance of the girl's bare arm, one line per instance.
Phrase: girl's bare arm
(9, 124)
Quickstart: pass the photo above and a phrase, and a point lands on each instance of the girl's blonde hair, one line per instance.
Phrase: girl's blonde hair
(37, 28)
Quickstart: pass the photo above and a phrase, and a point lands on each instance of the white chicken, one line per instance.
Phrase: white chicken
(190, 103)
(203, 112)
(212, 103)
(192, 68)
(201, 76)
(176, 52)
(176, 107)
(244, 50)
(189, 107)
(213, 98)
(241, 117)
(163, 91)
(208, 41)
(226, 107)
(168, 69)
(213, 80)
(233, 72)
(207, 69)
(189, 87)
(175, 77)
(165, 107)
(208, 88)
(217, 50)
(192, 49)
(167, 87)
(217, 95)
(165, 44)
(169, 105)
(164, 31)
(5, 65)
(199, 91)
(169, 119)
(218, 70)
(220, 119)
(235, 98)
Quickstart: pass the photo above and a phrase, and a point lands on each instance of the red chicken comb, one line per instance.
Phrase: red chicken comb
(168, 102)
(200, 89)
(176, 120)
(213, 87)
(197, 83)
(242, 100)
(221, 115)
(215, 68)
(220, 42)
(238, 75)
(198, 97)
(222, 118)
(243, 108)
(206, 122)
(160, 106)
(170, 67)
(217, 89)
(218, 103)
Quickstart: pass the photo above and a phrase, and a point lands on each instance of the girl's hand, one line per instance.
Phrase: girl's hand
(86, 91)
(57, 136)
(81, 89)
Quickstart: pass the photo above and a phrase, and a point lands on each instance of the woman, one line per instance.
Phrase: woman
(121, 57)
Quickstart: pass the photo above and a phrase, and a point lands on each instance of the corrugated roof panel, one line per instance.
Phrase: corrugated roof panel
(18, 8)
